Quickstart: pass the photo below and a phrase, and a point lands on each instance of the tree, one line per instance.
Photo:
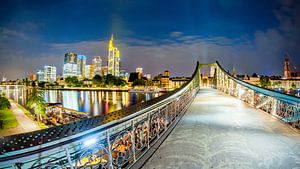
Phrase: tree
(97, 80)
(119, 81)
(36, 102)
(71, 81)
(139, 82)
(277, 84)
(265, 82)
(109, 80)
(4, 103)
(294, 87)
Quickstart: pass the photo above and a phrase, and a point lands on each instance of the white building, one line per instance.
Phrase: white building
(97, 63)
(48, 74)
(70, 65)
(139, 70)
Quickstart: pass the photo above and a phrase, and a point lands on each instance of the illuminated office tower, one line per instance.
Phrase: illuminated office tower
(81, 62)
(97, 62)
(40, 75)
(70, 65)
(89, 71)
(113, 58)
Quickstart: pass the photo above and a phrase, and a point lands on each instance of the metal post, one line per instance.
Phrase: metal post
(166, 117)
(158, 124)
(69, 158)
(133, 140)
(109, 150)
(148, 143)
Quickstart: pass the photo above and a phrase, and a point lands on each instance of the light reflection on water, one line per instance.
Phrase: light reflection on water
(92, 102)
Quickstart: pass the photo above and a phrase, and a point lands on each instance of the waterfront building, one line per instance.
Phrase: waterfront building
(97, 64)
(40, 75)
(166, 73)
(48, 74)
(122, 73)
(32, 77)
(113, 58)
(89, 71)
(81, 62)
(104, 70)
(149, 76)
(70, 65)
(139, 70)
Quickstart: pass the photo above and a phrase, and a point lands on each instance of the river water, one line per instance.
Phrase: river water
(91, 102)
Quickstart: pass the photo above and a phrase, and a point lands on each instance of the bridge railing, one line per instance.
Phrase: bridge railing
(282, 106)
(116, 140)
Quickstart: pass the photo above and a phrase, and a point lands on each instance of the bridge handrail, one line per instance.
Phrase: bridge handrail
(268, 92)
(139, 110)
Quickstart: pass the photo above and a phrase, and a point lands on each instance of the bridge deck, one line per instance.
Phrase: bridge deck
(220, 131)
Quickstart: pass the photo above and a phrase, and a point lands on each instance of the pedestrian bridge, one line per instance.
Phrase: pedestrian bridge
(127, 138)
(220, 131)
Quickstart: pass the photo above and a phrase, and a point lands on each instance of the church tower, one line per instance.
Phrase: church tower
(287, 69)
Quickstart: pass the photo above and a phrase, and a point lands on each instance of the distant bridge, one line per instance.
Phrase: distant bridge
(125, 138)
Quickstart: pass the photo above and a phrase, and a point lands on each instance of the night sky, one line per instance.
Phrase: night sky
(252, 36)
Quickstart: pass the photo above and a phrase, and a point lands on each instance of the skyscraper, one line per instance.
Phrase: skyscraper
(81, 62)
(139, 70)
(97, 62)
(48, 74)
(70, 65)
(287, 69)
(89, 71)
(113, 58)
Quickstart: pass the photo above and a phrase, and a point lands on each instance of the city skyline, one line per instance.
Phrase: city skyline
(153, 35)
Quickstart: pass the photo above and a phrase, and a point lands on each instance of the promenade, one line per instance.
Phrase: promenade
(219, 131)
(25, 124)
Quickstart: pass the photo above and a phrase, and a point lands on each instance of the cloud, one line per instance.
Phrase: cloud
(9, 33)
(176, 34)
(261, 51)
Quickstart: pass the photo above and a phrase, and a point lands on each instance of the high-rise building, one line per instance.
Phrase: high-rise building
(89, 71)
(48, 74)
(104, 70)
(113, 58)
(81, 62)
(139, 70)
(70, 65)
(287, 69)
(97, 62)
(40, 75)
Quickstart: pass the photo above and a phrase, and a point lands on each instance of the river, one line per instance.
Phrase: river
(91, 102)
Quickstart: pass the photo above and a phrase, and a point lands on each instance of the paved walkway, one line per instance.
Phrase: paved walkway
(220, 131)
(25, 123)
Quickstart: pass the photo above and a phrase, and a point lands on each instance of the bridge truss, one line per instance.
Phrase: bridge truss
(119, 139)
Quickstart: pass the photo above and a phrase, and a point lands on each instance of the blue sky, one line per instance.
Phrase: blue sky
(252, 36)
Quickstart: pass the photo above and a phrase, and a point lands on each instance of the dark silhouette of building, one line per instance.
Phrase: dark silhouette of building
(287, 69)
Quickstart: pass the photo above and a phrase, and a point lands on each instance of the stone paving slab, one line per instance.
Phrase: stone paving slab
(220, 131)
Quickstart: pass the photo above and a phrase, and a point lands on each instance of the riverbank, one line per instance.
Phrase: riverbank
(89, 89)
(25, 124)
(7, 119)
